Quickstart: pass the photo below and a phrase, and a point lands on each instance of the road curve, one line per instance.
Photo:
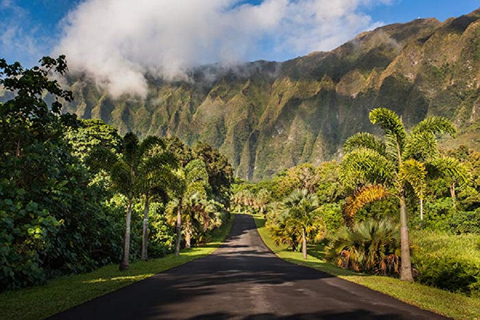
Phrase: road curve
(243, 279)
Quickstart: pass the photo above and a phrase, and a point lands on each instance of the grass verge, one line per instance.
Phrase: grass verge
(452, 305)
(69, 291)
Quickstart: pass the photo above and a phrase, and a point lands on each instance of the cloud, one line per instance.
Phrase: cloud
(117, 42)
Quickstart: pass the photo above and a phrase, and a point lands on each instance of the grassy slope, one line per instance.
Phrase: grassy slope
(449, 304)
(66, 292)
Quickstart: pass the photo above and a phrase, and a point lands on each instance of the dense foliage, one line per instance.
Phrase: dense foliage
(358, 204)
(65, 185)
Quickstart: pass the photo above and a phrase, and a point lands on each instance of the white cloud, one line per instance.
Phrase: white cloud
(118, 41)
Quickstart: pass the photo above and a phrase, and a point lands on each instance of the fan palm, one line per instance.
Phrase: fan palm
(369, 246)
(397, 163)
(299, 214)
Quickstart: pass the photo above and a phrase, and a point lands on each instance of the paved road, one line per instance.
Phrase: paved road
(243, 279)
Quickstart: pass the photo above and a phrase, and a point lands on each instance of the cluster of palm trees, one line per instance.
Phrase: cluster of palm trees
(246, 200)
(151, 168)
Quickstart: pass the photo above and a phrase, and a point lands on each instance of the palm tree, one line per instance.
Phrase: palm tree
(128, 172)
(191, 181)
(375, 168)
(155, 176)
(299, 214)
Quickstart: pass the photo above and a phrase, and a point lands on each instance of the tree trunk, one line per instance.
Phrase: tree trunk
(453, 194)
(188, 236)
(304, 244)
(126, 244)
(145, 229)
(179, 228)
(406, 269)
(421, 209)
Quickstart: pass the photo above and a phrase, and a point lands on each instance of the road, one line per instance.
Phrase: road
(243, 279)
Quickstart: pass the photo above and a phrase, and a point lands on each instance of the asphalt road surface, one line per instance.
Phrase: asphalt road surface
(243, 279)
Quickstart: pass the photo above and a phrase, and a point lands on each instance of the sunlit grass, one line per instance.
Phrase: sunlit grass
(453, 305)
(66, 292)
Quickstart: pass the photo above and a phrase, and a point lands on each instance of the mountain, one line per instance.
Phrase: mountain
(268, 116)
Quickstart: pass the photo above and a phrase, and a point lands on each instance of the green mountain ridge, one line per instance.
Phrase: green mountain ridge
(268, 116)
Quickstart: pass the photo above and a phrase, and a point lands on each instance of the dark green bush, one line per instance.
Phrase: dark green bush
(449, 274)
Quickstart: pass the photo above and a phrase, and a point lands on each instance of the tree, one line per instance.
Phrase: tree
(397, 164)
(299, 214)
(132, 173)
(191, 185)
(155, 176)
(220, 172)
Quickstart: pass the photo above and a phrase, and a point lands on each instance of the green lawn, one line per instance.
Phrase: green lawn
(66, 292)
(453, 305)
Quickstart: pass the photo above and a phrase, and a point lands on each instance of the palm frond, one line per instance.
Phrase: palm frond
(450, 168)
(421, 146)
(360, 198)
(390, 122)
(364, 166)
(414, 172)
(364, 140)
(435, 125)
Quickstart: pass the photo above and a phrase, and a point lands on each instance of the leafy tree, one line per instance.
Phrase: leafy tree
(398, 164)
(300, 177)
(220, 172)
(52, 220)
(90, 134)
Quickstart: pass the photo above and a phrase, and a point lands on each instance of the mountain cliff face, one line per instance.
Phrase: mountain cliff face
(267, 116)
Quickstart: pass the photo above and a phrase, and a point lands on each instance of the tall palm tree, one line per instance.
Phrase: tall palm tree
(299, 213)
(191, 181)
(127, 172)
(374, 168)
(155, 176)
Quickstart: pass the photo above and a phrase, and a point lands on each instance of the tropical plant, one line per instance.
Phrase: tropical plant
(191, 186)
(370, 246)
(398, 165)
(132, 172)
(299, 216)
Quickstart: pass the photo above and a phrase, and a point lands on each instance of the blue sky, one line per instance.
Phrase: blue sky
(30, 29)
(40, 19)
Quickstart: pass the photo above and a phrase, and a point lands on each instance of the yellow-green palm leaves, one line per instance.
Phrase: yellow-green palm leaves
(372, 166)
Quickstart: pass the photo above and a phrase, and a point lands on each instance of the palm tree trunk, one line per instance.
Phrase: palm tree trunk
(145, 229)
(421, 209)
(406, 269)
(453, 194)
(304, 244)
(188, 236)
(126, 244)
(179, 228)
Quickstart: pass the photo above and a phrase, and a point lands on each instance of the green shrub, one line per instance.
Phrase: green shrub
(371, 246)
(449, 274)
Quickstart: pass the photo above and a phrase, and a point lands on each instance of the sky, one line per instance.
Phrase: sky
(117, 42)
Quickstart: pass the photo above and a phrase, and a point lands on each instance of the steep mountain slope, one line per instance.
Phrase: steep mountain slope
(267, 116)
